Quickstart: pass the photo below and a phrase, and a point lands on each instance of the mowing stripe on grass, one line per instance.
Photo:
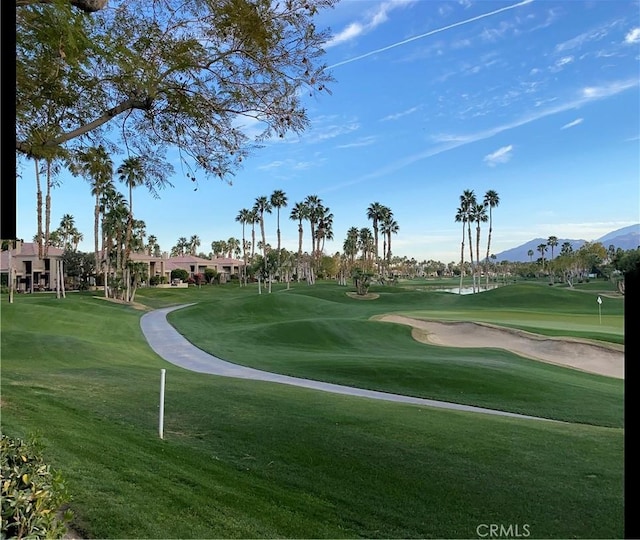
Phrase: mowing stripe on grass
(165, 340)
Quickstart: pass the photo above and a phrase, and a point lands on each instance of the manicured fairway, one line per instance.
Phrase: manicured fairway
(248, 459)
(320, 333)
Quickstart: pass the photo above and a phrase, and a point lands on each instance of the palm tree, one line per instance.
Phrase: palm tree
(219, 248)
(278, 200)
(76, 238)
(194, 244)
(552, 242)
(138, 232)
(134, 172)
(461, 216)
(299, 213)
(130, 172)
(233, 245)
(261, 206)
(313, 205)
(244, 217)
(152, 245)
(366, 243)
(350, 246)
(389, 226)
(566, 248)
(115, 213)
(182, 246)
(467, 203)
(375, 212)
(491, 200)
(530, 253)
(479, 213)
(66, 229)
(542, 248)
(325, 227)
(314, 210)
(97, 167)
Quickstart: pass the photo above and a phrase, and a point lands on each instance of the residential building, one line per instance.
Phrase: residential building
(31, 273)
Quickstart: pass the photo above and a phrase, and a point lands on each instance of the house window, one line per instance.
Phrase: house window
(47, 265)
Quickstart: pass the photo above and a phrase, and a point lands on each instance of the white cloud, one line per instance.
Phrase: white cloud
(273, 165)
(592, 35)
(501, 155)
(400, 114)
(574, 123)
(364, 141)
(290, 164)
(598, 92)
(350, 32)
(633, 36)
(426, 34)
(450, 142)
(372, 20)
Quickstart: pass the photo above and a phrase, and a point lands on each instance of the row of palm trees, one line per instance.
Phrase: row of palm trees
(472, 211)
(114, 223)
(551, 242)
(311, 209)
(66, 236)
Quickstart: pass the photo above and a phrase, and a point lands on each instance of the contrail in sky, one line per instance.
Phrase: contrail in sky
(430, 33)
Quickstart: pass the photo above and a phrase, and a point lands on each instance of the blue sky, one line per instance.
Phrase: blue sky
(538, 100)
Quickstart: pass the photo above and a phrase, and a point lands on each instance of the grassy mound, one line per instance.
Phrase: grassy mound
(260, 460)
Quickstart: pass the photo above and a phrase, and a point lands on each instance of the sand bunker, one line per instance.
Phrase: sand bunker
(602, 359)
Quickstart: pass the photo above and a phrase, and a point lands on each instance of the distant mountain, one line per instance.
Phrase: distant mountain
(521, 253)
(625, 238)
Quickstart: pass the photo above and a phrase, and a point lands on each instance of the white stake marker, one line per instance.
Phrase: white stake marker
(162, 378)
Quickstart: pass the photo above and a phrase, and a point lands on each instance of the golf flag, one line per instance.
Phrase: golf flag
(599, 300)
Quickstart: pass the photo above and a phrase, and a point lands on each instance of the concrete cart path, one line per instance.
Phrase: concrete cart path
(165, 340)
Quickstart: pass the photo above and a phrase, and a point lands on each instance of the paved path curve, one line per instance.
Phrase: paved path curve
(165, 340)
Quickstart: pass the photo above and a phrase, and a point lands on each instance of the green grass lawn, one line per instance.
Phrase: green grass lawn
(252, 459)
(320, 333)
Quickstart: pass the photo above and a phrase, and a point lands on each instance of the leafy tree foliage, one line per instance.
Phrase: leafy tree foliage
(210, 274)
(179, 273)
(79, 265)
(146, 75)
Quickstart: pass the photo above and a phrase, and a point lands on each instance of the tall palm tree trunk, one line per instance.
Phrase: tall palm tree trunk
(47, 210)
(473, 274)
(462, 257)
(96, 223)
(244, 256)
(375, 245)
(299, 261)
(253, 240)
(488, 248)
(39, 207)
(478, 252)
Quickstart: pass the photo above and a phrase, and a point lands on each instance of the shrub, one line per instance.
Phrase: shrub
(179, 273)
(32, 494)
(211, 274)
(157, 280)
